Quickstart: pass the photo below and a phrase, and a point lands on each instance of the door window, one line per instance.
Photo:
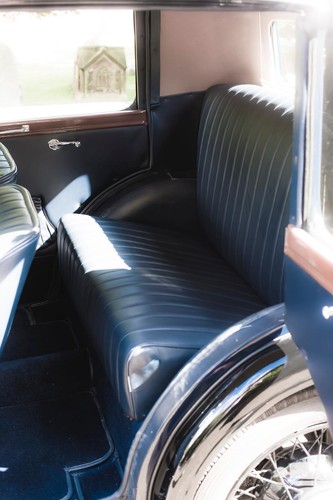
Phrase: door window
(309, 243)
(326, 184)
(283, 38)
(65, 62)
(319, 164)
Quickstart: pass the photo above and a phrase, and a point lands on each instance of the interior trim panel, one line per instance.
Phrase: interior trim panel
(128, 118)
(311, 255)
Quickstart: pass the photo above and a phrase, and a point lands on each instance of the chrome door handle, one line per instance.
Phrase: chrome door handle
(55, 144)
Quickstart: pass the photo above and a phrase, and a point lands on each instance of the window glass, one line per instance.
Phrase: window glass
(284, 48)
(65, 62)
(318, 203)
(327, 137)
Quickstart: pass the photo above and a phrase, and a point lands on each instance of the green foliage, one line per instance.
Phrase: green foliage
(47, 85)
(53, 84)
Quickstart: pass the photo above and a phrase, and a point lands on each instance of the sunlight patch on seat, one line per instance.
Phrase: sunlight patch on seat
(96, 252)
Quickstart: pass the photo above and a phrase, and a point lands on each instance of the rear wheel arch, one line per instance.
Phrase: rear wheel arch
(237, 466)
(274, 384)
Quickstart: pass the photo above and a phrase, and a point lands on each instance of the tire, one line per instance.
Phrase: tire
(280, 443)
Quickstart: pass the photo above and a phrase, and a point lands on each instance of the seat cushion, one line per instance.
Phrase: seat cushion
(8, 168)
(149, 298)
(19, 233)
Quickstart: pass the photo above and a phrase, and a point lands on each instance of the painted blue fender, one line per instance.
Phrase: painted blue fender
(246, 370)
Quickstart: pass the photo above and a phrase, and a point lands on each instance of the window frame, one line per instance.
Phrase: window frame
(135, 114)
(308, 243)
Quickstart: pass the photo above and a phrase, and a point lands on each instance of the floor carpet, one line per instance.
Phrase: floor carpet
(38, 440)
(53, 441)
(27, 340)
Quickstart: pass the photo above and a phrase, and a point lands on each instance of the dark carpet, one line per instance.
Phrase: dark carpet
(39, 439)
(27, 340)
(50, 420)
(44, 377)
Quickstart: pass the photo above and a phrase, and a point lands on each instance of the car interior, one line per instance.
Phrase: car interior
(122, 258)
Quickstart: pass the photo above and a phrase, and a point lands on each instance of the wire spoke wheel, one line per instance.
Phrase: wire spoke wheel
(285, 453)
(302, 462)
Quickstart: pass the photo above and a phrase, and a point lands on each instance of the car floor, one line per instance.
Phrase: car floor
(55, 443)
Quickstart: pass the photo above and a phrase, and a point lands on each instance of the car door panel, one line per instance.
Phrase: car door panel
(308, 244)
(66, 178)
(312, 331)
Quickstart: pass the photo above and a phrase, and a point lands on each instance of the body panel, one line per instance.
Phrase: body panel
(309, 255)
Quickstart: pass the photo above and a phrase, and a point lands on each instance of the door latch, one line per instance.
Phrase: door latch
(55, 144)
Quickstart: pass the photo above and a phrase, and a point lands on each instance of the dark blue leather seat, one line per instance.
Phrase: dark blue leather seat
(19, 233)
(8, 168)
(149, 297)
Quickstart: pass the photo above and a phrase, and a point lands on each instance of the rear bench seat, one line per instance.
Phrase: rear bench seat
(150, 297)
